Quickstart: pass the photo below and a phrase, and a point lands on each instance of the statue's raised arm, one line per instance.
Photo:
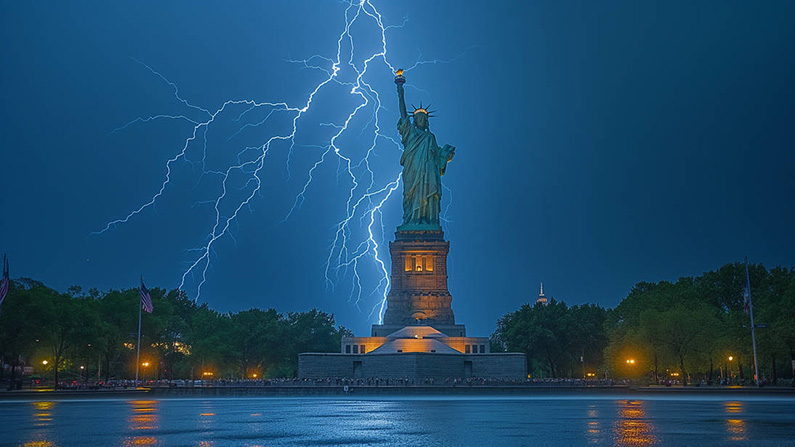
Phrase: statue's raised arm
(400, 80)
(424, 162)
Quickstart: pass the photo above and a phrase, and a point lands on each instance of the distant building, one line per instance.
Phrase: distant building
(542, 299)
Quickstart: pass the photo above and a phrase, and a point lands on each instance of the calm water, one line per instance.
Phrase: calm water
(477, 422)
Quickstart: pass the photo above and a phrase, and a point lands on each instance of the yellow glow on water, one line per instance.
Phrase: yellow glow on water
(140, 440)
(143, 416)
(42, 418)
(632, 428)
(592, 431)
(735, 427)
(38, 444)
(733, 407)
(207, 414)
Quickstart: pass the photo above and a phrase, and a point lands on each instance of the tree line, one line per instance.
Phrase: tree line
(686, 330)
(81, 335)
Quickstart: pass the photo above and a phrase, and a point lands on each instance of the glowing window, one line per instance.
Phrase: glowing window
(361, 349)
(418, 263)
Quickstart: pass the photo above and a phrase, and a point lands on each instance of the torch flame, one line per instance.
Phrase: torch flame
(399, 72)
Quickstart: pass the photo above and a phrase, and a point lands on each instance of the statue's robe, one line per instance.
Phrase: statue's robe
(424, 162)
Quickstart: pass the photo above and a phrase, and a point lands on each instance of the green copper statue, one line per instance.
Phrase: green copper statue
(424, 162)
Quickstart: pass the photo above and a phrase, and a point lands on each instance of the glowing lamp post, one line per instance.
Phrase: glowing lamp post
(143, 376)
(44, 363)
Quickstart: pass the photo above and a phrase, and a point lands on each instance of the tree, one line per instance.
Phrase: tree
(554, 335)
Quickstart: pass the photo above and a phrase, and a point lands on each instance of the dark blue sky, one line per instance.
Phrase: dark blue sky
(598, 144)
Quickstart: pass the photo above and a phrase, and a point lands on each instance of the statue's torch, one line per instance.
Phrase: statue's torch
(399, 78)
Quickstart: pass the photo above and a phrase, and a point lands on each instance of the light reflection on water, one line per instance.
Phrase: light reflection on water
(421, 422)
(42, 420)
(735, 425)
(633, 429)
(143, 417)
(593, 432)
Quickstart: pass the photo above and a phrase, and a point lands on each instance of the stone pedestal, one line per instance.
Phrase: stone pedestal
(419, 294)
(419, 338)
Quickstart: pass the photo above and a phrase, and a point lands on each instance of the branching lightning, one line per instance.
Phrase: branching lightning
(367, 193)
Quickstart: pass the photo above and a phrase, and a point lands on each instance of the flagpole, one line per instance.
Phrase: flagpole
(753, 327)
(138, 345)
(5, 278)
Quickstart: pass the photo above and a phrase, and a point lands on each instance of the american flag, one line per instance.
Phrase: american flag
(747, 290)
(146, 300)
(5, 281)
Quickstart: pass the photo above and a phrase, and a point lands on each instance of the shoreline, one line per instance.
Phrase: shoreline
(354, 392)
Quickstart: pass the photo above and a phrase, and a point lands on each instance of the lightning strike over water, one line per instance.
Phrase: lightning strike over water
(368, 191)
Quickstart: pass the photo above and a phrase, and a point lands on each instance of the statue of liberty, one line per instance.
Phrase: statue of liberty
(424, 162)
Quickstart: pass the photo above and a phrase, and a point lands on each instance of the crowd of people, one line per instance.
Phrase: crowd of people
(351, 382)
(382, 382)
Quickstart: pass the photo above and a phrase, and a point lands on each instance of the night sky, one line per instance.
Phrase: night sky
(599, 144)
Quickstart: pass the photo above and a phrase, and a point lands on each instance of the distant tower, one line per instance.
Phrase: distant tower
(541, 297)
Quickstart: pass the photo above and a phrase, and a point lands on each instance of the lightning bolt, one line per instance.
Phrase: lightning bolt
(367, 194)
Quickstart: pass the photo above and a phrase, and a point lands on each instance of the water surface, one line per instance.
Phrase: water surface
(445, 421)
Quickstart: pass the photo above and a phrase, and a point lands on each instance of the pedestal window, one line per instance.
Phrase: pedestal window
(418, 263)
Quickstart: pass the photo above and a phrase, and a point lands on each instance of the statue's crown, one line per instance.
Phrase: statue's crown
(422, 109)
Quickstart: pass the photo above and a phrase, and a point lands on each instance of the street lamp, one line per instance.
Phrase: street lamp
(44, 362)
(728, 370)
(630, 361)
(143, 374)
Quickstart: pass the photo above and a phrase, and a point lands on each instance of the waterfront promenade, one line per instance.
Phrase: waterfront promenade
(391, 387)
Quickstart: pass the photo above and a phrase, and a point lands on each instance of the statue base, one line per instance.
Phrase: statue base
(419, 294)
(419, 227)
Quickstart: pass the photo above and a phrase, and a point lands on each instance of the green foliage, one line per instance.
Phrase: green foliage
(559, 341)
(683, 330)
(179, 340)
(686, 330)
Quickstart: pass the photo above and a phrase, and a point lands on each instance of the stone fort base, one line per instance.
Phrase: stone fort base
(414, 365)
